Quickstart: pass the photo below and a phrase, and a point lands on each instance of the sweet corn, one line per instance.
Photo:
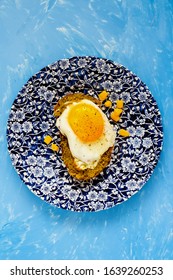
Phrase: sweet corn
(117, 111)
(54, 147)
(108, 103)
(47, 139)
(124, 133)
(115, 117)
(103, 95)
(120, 104)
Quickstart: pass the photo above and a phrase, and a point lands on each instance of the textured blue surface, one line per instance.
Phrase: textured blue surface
(137, 34)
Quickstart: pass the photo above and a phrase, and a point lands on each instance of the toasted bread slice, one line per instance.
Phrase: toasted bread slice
(67, 157)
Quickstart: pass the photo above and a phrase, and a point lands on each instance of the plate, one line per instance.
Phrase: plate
(31, 118)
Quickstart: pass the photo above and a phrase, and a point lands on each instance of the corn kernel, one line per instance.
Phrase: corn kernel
(120, 104)
(108, 103)
(115, 117)
(124, 133)
(47, 139)
(54, 147)
(103, 95)
(117, 111)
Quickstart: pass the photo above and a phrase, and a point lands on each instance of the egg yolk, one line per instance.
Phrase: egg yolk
(86, 121)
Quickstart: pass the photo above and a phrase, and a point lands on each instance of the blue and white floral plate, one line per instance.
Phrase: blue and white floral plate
(31, 118)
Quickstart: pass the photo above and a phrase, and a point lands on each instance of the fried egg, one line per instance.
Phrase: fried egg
(88, 131)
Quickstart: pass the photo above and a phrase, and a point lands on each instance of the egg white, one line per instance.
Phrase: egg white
(87, 154)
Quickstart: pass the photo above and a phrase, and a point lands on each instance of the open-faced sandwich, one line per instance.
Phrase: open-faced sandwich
(87, 137)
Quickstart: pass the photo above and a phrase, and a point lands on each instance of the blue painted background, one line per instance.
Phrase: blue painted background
(137, 34)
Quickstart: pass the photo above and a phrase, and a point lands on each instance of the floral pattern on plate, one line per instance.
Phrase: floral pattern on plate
(133, 159)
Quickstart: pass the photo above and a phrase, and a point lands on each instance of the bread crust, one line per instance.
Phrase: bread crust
(67, 157)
